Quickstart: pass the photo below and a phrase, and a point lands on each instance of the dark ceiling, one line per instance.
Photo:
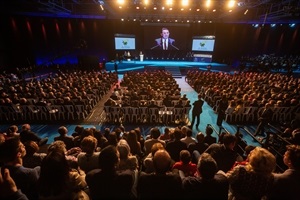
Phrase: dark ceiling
(257, 11)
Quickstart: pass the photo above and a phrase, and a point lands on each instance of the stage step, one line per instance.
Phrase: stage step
(174, 70)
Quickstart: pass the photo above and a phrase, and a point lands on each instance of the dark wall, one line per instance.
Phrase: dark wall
(24, 39)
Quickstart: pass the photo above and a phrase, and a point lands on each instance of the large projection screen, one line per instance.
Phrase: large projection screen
(124, 42)
(203, 43)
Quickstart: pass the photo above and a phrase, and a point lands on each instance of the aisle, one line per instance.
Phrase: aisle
(208, 115)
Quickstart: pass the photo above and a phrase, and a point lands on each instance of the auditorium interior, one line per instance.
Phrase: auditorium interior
(69, 46)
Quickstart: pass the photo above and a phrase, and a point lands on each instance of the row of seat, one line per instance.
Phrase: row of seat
(42, 113)
(163, 115)
(251, 114)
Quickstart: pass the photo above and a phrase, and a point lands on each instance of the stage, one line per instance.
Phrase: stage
(137, 65)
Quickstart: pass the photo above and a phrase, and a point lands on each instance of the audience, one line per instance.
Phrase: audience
(224, 154)
(115, 168)
(58, 180)
(175, 146)
(286, 185)
(88, 158)
(188, 139)
(27, 135)
(162, 184)
(185, 165)
(134, 144)
(154, 138)
(199, 146)
(63, 136)
(33, 158)
(8, 187)
(255, 179)
(148, 160)
(12, 131)
(107, 182)
(127, 160)
(12, 152)
(209, 139)
(209, 184)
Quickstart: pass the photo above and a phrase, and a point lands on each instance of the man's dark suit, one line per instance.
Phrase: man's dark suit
(197, 110)
(264, 119)
(286, 185)
(159, 44)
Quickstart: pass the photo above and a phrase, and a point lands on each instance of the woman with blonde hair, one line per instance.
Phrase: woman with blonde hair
(253, 180)
(127, 160)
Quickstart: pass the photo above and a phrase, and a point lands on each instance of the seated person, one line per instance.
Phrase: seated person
(185, 165)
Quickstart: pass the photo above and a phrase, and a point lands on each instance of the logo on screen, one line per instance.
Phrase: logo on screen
(125, 42)
(202, 44)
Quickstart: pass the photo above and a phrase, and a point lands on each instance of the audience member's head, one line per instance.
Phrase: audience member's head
(25, 127)
(57, 146)
(54, 173)
(109, 158)
(200, 137)
(89, 144)
(62, 130)
(112, 138)
(155, 147)
(208, 130)
(31, 147)
(13, 129)
(124, 150)
(155, 133)
(12, 151)
(248, 149)
(261, 161)
(296, 136)
(177, 134)
(184, 130)
(207, 166)
(292, 157)
(185, 156)
(229, 140)
(162, 161)
(189, 133)
(78, 129)
(166, 131)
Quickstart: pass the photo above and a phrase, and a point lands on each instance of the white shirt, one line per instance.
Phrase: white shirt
(165, 45)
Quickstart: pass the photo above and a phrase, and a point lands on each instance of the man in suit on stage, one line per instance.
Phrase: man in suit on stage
(165, 42)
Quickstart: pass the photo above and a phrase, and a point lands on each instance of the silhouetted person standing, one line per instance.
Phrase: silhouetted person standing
(223, 104)
(116, 67)
(197, 110)
(264, 119)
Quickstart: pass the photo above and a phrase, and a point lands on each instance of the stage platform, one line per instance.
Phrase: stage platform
(182, 66)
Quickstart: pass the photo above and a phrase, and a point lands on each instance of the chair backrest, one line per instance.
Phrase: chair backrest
(69, 108)
(115, 109)
(135, 110)
(153, 111)
(178, 111)
(60, 108)
(126, 110)
(143, 110)
(80, 108)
